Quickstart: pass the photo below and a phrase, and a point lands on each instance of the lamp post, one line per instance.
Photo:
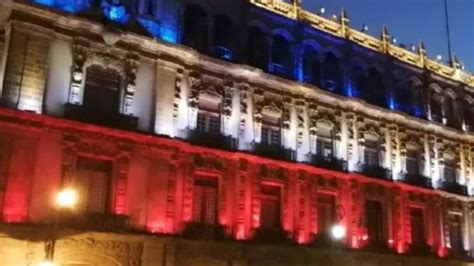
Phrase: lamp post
(338, 230)
(65, 199)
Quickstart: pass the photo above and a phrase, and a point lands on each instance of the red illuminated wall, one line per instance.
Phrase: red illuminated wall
(153, 181)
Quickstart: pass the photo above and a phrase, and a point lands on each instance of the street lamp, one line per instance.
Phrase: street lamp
(65, 199)
(338, 232)
(46, 263)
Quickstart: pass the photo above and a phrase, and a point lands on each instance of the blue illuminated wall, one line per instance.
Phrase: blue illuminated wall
(115, 12)
(70, 6)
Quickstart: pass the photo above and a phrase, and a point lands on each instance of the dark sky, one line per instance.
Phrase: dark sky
(411, 21)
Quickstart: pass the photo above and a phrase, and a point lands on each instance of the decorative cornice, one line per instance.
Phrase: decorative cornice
(340, 28)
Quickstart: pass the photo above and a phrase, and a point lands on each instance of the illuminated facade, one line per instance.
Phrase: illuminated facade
(242, 121)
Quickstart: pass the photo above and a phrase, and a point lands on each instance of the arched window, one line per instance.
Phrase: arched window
(469, 115)
(195, 33)
(281, 57)
(222, 37)
(257, 48)
(357, 81)
(311, 66)
(436, 107)
(452, 111)
(375, 89)
(331, 72)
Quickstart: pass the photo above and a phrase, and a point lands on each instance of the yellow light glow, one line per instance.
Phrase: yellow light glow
(66, 198)
(46, 263)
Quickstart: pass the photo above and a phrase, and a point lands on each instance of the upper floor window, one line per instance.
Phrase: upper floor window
(205, 201)
(281, 64)
(371, 151)
(195, 32)
(436, 107)
(449, 169)
(102, 90)
(452, 112)
(326, 212)
(331, 72)
(413, 160)
(417, 227)
(469, 115)
(357, 81)
(311, 66)
(209, 119)
(92, 181)
(270, 207)
(271, 130)
(222, 30)
(324, 141)
(257, 48)
(374, 91)
(375, 222)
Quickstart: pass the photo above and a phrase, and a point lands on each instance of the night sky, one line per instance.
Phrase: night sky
(411, 21)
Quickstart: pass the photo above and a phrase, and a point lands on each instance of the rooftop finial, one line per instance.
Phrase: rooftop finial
(344, 23)
(385, 39)
(422, 54)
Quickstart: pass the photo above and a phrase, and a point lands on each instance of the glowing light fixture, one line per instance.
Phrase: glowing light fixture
(365, 28)
(46, 263)
(338, 231)
(322, 10)
(66, 198)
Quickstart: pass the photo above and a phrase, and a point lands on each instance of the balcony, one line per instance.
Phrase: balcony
(116, 120)
(454, 188)
(331, 163)
(223, 53)
(101, 222)
(279, 70)
(417, 180)
(375, 171)
(204, 232)
(212, 140)
(274, 152)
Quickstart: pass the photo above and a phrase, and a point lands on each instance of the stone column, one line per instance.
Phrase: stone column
(258, 99)
(195, 84)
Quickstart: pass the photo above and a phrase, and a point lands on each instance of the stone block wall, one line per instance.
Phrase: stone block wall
(25, 71)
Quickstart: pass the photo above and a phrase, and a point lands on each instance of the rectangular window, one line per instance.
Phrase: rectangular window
(375, 221)
(93, 184)
(412, 162)
(324, 142)
(449, 171)
(270, 207)
(101, 90)
(371, 157)
(326, 213)
(417, 227)
(271, 136)
(205, 201)
(455, 232)
(209, 119)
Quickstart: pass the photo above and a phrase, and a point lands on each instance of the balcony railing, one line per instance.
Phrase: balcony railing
(223, 53)
(212, 140)
(274, 152)
(114, 120)
(279, 70)
(417, 180)
(96, 222)
(204, 232)
(330, 163)
(375, 171)
(455, 188)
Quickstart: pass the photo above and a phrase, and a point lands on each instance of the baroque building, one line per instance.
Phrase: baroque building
(228, 133)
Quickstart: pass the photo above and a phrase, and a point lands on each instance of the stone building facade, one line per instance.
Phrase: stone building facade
(198, 135)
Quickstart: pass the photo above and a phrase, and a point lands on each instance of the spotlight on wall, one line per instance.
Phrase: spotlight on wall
(394, 40)
(413, 47)
(338, 231)
(439, 57)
